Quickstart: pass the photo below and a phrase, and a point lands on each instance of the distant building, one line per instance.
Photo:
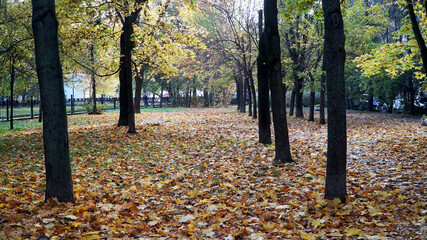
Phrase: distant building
(74, 85)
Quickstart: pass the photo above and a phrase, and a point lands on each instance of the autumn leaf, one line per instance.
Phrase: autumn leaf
(216, 180)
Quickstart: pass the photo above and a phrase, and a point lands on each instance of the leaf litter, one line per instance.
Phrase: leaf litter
(201, 174)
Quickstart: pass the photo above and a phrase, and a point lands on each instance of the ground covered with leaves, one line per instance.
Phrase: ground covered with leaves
(201, 174)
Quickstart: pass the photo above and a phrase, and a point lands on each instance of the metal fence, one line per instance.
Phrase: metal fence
(31, 109)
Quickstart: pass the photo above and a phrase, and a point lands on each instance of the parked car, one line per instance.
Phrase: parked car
(234, 100)
(398, 105)
(421, 104)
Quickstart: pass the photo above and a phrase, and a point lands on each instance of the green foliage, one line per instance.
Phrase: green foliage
(362, 25)
(100, 108)
(394, 59)
(16, 47)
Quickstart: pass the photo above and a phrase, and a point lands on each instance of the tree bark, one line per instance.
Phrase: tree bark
(251, 83)
(92, 59)
(139, 80)
(335, 186)
(322, 118)
(312, 103)
(299, 94)
(127, 114)
(205, 98)
(238, 93)
(292, 106)
(55, 134)
(272, 44)
(417, 32)
(12, 83)
(249, 94)
(264, 120)
(161, 94)
(371, 102)
(243, 92)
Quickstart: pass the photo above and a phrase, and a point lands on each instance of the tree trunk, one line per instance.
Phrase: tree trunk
(299, 94)
(371, 103)
(205, 98)
(59, 182)
(417, 32)
(252, 84)
(139, 80)
(390, 110)
(249, 94)
(272, 43)
(322, 118)
(238, 93)
(12, 83)
(176, 95)
(264, 120)
(40, 111)
(243, 92)
(161, 94)
(334, 54)
(93, 80)
(292, 106)
(312, 102)
(127, 115)
(187, 99)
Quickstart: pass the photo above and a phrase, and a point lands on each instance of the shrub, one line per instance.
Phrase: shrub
(99, 108)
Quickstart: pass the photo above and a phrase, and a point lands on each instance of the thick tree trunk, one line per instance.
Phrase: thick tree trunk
(417, 32)
(272, 43)
(334, 54)
(322, 118)
(55, 134)
(264, 120)
(127, 115)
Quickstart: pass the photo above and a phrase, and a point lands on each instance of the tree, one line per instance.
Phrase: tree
(232, 25)
(264, 119)
(334, 54)
(271, 42)
(16, 57)
(166, 39)
(55, 134)
(417, 32)
(127, 111)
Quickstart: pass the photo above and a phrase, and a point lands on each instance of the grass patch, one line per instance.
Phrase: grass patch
(177, 109)
(18, 126)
